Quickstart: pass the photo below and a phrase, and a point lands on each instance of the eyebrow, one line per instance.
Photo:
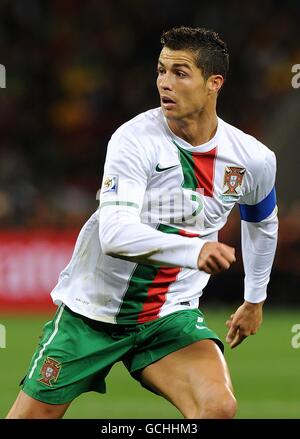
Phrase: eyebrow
(176, 65)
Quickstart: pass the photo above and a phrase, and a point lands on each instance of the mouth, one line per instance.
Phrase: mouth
(167, 102)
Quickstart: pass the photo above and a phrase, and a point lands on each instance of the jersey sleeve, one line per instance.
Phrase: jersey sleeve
(127, 170)
(260, 202)
(259, 228)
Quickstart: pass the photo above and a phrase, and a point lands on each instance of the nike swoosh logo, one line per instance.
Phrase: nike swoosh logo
(158, 169)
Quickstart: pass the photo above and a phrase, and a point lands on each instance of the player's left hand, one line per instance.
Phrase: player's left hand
(244, 322)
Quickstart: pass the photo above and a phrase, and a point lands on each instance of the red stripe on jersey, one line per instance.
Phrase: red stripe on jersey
(188, 234)
(156, 296)
(204, 163)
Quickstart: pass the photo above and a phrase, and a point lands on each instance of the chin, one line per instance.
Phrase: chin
(169, 114)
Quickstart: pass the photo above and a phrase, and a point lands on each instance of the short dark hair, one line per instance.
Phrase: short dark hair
(211, 52)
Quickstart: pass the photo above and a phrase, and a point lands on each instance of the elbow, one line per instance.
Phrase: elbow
(271, 228)
(116, 237)
(109, 236)
(108, 245)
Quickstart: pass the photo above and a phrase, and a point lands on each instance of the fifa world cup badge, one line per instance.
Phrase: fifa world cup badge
(110, 183)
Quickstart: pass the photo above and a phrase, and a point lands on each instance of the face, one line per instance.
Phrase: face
(183, 90)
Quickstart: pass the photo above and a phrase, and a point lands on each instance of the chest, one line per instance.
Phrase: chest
(219, 175)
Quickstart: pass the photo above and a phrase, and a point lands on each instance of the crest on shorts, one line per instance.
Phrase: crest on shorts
(50, 371)
(233, 179)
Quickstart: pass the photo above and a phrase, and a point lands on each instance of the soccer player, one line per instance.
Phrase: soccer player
(131, 290)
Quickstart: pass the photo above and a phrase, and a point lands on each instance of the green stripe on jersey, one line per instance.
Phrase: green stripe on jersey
(136, 293)
(168, 229)
(140, 281)
(188, 168)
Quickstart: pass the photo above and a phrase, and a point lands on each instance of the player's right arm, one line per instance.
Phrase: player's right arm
(122, 235)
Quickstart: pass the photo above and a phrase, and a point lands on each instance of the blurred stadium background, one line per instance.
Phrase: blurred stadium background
(75, 72)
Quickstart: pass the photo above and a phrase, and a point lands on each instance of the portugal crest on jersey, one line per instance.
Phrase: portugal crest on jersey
(233, 179)
(50, 371)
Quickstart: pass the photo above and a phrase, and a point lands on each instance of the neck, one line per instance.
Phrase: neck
(195, 131)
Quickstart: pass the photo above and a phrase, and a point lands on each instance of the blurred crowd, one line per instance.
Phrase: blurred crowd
(77, 70)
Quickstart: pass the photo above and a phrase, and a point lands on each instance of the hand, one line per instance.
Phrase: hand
(215, 257)
(244, 322)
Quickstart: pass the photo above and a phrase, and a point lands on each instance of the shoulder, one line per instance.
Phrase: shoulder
(136, 139)
(139, 136)
(142, 126)
(256, 155)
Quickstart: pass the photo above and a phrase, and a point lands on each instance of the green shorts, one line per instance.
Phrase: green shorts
(75, 353)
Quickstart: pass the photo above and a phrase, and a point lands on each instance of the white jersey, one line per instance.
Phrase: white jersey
(161, 199)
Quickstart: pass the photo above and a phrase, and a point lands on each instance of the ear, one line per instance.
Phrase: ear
(214, 83)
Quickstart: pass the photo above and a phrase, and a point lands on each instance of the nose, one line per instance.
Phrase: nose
(164, 82)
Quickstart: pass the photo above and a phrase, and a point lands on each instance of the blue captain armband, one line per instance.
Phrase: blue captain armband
(258, 212)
